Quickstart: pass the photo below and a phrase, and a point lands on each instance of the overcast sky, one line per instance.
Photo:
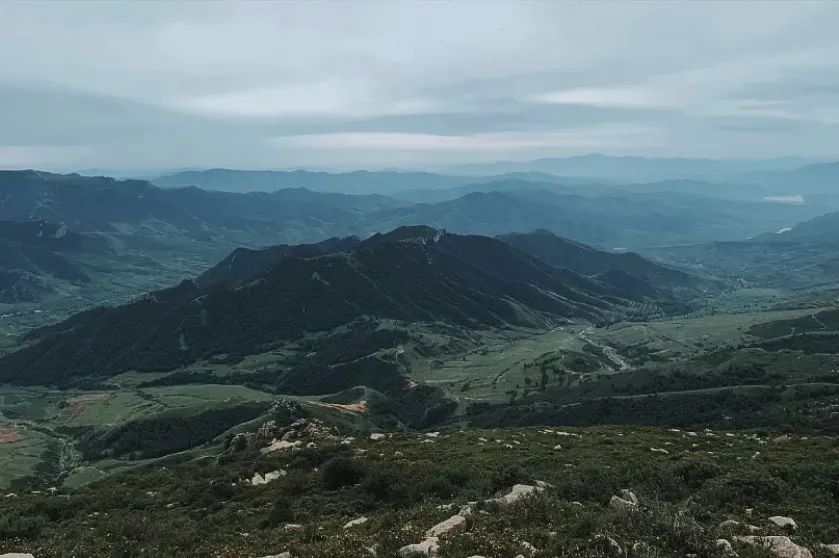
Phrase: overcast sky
(395, 84)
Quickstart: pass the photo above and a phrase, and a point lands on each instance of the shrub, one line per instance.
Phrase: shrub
(341, 471)
(281, 512)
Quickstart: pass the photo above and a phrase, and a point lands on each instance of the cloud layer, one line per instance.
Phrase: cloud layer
(376, 85)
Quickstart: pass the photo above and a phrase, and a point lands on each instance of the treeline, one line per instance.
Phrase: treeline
(167, 432)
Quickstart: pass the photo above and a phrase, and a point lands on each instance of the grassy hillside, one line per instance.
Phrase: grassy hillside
(688, 485)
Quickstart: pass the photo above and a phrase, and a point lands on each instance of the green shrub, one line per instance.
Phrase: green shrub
(281, 512)
(341, 471)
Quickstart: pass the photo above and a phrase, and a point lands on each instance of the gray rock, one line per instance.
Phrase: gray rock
(782, 547)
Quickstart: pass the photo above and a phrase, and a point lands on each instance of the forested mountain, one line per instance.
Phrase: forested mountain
(411, 274)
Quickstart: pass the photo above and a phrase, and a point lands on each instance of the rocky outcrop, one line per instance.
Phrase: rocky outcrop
(270, 437)
(782, 547)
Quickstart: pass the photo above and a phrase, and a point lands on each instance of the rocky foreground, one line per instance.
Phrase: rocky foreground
(307, 489)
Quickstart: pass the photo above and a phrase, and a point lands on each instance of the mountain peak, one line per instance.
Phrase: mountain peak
(408, 233)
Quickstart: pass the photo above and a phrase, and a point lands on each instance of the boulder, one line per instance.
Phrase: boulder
(281, 555)
(516, 493)
(452, 526)
(355, 522)
(428, 547)
(376, 436)
(782, 547)
(782, 521)
(16, 555)
(831, 548)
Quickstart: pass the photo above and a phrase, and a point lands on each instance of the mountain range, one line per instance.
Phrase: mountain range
(412, 274)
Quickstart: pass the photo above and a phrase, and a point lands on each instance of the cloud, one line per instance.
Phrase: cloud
(352, 99)
(614, 135)
(364, 83)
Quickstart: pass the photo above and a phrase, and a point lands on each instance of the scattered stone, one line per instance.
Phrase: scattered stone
(782, 547)
(293, 527)
(729, 524)
(355, 522)
(659, 450)
(16, 555)
(558, 447)
(543, 484)
(782, 439)
(281, 555)
(784, 522)
(832, 548)
(398, 454)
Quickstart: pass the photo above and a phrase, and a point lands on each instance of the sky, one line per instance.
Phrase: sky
(144, 86)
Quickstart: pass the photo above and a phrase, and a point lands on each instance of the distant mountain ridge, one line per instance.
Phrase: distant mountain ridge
(356, 182)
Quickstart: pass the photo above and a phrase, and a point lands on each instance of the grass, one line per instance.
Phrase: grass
(27, 455)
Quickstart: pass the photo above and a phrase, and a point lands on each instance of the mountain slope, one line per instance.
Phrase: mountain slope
(562, 252)
(34, 254)
(411, 275)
